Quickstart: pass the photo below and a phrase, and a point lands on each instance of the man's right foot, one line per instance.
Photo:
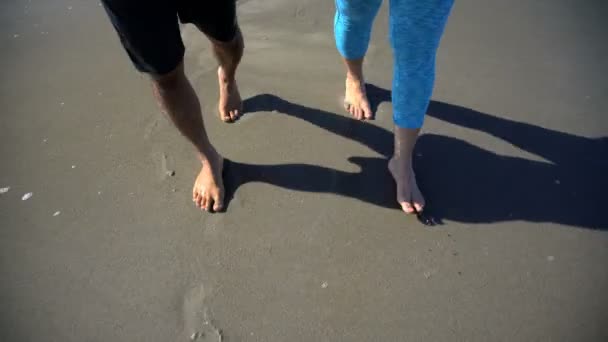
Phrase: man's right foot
(230, 104)
(208, 191)
(355, 99)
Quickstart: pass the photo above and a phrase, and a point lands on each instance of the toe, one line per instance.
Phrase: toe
(208, 203)
(405, 202)
(351, 110)
(367, 112)
(407, 207)
(218, 203)
(359, 113)
(199, 201)
(418, 200)
(419, 206)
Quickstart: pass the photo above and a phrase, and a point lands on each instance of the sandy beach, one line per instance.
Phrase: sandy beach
(100, 241)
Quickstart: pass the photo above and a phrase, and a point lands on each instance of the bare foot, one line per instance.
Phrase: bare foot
(408, 194)
(355, 99)
(230, 104)
(208, 191)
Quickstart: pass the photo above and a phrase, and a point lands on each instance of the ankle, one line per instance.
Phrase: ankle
(401, 161)
(354, 78)
(207, 153)
(226, 74)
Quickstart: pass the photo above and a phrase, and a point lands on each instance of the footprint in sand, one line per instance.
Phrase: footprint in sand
(151, 127)
(198, 324)
(164, 165)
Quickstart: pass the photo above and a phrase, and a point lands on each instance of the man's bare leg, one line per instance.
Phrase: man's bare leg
(355, 98)
(179, 101)
(400, 166)
(228, 55)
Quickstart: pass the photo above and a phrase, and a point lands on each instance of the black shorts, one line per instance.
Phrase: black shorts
(149, 29)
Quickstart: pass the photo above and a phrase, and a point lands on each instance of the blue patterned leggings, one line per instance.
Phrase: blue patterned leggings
(416, 27)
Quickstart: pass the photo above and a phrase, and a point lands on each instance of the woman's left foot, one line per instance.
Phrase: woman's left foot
(409, 196)
(355, 99)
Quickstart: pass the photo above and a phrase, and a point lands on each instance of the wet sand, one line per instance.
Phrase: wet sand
(110, 248)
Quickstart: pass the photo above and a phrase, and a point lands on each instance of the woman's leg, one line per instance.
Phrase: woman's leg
(352, 29)
(416, 27)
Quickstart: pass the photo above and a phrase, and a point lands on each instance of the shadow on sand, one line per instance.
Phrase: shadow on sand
(461, 182)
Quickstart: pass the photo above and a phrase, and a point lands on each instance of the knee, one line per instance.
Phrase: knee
(354, 18)
(357, 11)
(352, 27)
(412, 49)
(233, 44)
(171, 79)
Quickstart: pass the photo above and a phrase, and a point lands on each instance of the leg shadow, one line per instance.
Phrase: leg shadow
(461, 182)
(312, 178)
(470, 184)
